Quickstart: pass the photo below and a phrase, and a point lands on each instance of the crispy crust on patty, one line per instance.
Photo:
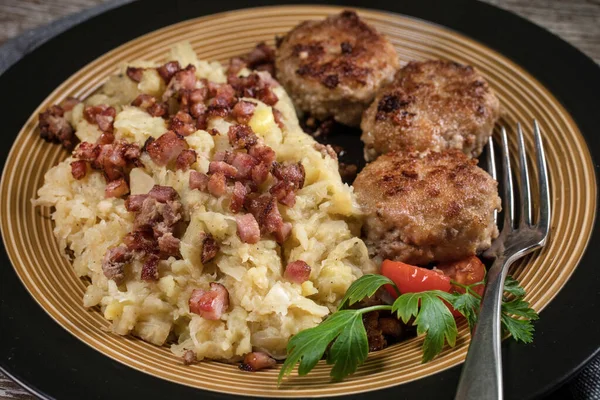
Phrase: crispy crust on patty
(334, 67)
(431, 105)
(425, 208)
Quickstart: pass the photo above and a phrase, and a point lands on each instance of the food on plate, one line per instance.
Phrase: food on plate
(426, 208)
(333, 67)
(205, 219)
(344, 337)
(431, 106)
(203, 216)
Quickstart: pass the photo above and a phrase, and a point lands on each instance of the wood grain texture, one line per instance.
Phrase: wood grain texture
(576, 21)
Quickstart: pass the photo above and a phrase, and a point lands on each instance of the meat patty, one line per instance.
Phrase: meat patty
(431, 105)
(425, 208)
(333, 67)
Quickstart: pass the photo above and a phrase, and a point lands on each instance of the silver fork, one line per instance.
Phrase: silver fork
(481, 376)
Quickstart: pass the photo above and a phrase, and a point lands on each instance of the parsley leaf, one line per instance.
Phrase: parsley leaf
(520, 329)
(308, 346)
(511, 286)
(350, 349)
(364, 287)
(432, 317)
(468, 305)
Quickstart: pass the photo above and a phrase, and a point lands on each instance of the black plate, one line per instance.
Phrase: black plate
(38, 353)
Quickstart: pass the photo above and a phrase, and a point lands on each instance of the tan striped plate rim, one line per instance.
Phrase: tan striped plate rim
(33, 251)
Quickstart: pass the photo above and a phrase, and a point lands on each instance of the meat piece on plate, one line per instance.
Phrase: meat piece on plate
(166, 148)
(297, 271)
(55, 128)
(431, 106)
(256, 361)
(114, 262)
(78, 169)
(198, 180)
(422, 209)
(334, 67)
(210, 247)
(247, 228)
(210, 304)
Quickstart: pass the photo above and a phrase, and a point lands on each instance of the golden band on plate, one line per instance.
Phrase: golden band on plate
(50, 279)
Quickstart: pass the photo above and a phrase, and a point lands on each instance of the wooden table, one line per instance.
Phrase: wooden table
(576, 21)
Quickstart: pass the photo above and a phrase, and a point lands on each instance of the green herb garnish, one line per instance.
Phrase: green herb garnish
(343, 339)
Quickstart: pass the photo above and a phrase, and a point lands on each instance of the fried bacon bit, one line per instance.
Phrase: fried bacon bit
(278, 117)
(140, 241)
(264, 154)
(113, 159)
(78, 169)
(198, 180)
(390, 327)
(167, 70)
(247, 228)
(150, 104)
(264, 209)
(243, 111)
(374, 335)
(134, 202)
(243, 163)
(116, 188)
(114, 261)
(292, 173)
(182, 80)
(169, 244)
(210, 304)
(87, 151)
(192, 101)
(183, 124)
(241, 136)
(297, 271)
(262, 58)
(217, 185)
(185, 159)
(238, 197)
(68, 103)
(101, 115)
(135, 74)
(210, 247)
(256, 361)
(166, 148)
(221, 166)
(236, 64)
(163, 194)
(150, 268)
(290, 178)
(254, 86)
(223, 99)
(106, 138)
(55, 128)
(189, 357)
(326, 150)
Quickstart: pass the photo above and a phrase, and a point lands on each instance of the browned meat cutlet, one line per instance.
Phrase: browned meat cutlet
(431, 105)
(333, 67)
(420, 209)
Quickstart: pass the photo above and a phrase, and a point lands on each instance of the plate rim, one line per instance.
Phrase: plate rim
(356, 3)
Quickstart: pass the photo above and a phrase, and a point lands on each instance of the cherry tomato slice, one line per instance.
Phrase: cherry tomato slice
(467, 272)
(411, 279)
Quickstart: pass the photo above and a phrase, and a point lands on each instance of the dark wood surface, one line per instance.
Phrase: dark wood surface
(576, 21)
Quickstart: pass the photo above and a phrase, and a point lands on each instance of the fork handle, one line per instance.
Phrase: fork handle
(481, 376)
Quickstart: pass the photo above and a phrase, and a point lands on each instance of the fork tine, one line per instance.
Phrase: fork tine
(543, 223)
(525, 187)
(509, 201)
(491, 167)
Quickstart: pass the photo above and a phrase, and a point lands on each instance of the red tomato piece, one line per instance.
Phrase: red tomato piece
(466, 272)
(411, 279)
